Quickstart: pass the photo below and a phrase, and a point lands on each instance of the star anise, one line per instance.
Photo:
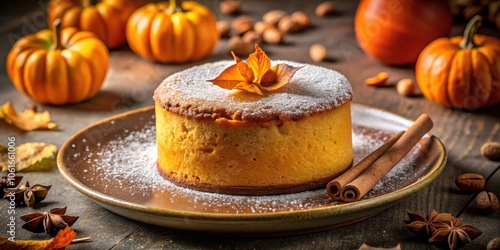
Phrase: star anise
(50, 222)
(427, 226)
(454, 234)
(8, 182)
(28, 195)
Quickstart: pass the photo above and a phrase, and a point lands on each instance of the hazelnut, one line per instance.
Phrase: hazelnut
(301, 18)
(272, 36)
(252, 37)
(470, 182)
(240, 47)
(242, 24)
(487, 202)
(223, 28)
(325, 8)
(273, 17)
(406, 87)
(491, 150)
(260, 26)
(288, 25)
(317, 52)
(229, 7)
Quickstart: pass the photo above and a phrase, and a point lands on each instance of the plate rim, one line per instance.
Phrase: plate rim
(309, 214)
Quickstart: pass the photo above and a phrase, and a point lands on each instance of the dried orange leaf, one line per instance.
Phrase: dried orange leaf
(59, 242)
(255, 75)
(259, 62)
(283, 73)
(32, 156)
(27, 120)
(368, 247)
(379, 80)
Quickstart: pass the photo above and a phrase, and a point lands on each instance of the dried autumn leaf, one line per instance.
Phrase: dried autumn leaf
(59, 242)
(368, 247)
(255, 75)
(28, 120)
(32, 156)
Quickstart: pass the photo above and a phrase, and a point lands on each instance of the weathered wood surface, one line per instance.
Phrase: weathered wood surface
(131, 81)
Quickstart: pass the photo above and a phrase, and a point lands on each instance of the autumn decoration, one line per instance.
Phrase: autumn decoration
(462, 71)
(395, 32)
(173, 32)
(255, 75)
(30, 156)
(63, 239)
(58, 66)
(105, 18)
(27, 120)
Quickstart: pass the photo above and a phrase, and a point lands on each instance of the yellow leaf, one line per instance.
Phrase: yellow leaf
(27, 120)
(255, 75)
(33, 156)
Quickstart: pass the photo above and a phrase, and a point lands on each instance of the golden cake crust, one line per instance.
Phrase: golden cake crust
(188, 93)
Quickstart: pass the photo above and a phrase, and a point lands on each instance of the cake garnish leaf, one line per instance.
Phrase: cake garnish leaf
(255, 75)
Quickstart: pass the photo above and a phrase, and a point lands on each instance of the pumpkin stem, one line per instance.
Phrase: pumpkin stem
(470, 31)
(174, 7)
(56, 35)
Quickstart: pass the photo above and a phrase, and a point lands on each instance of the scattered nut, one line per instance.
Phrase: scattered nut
(325, 8)
(288, 25)
(378, 80)
(272, 36)
(229, 7)
(260, 26)
(223, 28)
(406, 87)
(242, 24)
(317, 52)
(487, 202)
(470, 182)
(252, 37)
(491, 150)
(301, 18)
(273, 17)
(240, 47)
(494, 244)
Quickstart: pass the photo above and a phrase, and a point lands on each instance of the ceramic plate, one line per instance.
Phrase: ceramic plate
(113, 163)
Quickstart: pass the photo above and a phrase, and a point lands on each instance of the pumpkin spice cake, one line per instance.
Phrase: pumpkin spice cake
(292, 139)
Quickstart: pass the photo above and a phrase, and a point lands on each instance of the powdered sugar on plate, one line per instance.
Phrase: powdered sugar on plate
(125, 168)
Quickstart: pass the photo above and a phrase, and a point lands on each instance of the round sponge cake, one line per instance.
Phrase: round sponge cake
(294, 139)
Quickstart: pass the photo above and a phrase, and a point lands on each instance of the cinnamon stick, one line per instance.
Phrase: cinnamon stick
(373, 174)
(333, 187)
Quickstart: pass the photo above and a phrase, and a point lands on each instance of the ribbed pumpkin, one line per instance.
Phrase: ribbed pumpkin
(58, 67)
(461, 72)
(172, 32)
(105, 18)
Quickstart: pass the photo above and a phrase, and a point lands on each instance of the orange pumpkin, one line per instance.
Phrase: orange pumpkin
(105, 18)
(395, 32)
(59, 66)
(172, 32)
(461, 72)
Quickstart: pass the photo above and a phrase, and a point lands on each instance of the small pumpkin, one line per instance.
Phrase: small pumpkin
(58, 66)
(105, 18)
(172, 32)
(395, 32)
(461, 72)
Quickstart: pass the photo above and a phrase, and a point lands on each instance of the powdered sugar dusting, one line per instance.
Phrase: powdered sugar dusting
(125, 168)
(312, 89)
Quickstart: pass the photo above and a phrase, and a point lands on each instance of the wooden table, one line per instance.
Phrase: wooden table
(131, 81)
